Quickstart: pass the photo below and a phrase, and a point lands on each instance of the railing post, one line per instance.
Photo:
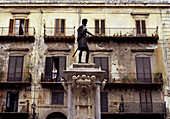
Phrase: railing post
(109, 31)
(2, 31)
(27, 106)
(74, 32)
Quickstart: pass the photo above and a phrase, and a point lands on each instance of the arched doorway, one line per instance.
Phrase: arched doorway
(56, 115)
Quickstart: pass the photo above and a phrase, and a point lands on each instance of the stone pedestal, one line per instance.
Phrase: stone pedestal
(83, 84)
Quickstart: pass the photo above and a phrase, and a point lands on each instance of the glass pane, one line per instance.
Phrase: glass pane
(138, 27)
(17, 26)
(143, 27)
(11, 67)
(143, 99)
(57, 26)
(102, 26)
(18, 67)
(139, 67)
(96, 26)
(62, 25)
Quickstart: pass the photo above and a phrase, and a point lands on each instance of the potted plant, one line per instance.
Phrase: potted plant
(27, 79)
(126, 78)
(134, 80)
(158, 76)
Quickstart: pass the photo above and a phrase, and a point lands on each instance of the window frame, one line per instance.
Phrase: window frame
(141, 31)
(101, 66)
(62, 92)
(143, 67)
(14, 78)
(12, 30)
(100, 27)
(146, 101)
(105, 109)
(59, 29)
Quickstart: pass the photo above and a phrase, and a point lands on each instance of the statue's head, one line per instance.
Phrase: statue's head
(84, 21)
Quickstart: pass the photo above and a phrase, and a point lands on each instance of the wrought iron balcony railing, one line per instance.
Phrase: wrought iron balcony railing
(15, 77)
(50, 79)
(124, 32)
(137, 77)
(17, 31)
(53, 31)
(136, 107)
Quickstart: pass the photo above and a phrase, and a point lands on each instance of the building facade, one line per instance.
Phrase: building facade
(132, 48)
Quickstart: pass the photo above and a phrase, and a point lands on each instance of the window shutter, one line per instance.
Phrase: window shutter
(97, 62)
(48, 68)
(138, 27)
(146, 101)
(102, 26)
(57, 26)
(18, 70)
(104, 61)
(26, 26)
(11, 68)
(96, 26)
(60, 98)
(11, 24)
(139, 68)
(57, 98)
(62, 26)
(143, 27)
(147, 69)
(62, 66)
(104, 101)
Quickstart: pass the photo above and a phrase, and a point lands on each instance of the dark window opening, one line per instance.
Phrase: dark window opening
(58, 98)
(12, 101)
(146, 101)
(143, 68)
(104, 101)
(55, 62)
(103, 63)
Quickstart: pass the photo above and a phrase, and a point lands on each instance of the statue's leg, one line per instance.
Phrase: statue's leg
(80, 55)
(87, 55)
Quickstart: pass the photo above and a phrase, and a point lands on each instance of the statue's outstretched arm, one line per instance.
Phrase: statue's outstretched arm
(90, 33)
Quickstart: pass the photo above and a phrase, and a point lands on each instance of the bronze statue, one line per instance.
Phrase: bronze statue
(82, 43)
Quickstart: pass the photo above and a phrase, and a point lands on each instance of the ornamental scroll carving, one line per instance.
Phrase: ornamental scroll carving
(83, 81)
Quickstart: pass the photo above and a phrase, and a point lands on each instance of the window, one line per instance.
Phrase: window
(57, 98)
(60, 27)
(140, 27)
(18, 26)
(103, 63)
(146, 101)
(15, 68)
(12, 101)
(55, 62)
(143, 68)
(104, 101)
(99, 27)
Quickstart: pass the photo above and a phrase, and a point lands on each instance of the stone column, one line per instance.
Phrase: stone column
(97, 102)
(70, 101)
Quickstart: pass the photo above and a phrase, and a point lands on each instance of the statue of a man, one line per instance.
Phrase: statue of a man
(82, 43)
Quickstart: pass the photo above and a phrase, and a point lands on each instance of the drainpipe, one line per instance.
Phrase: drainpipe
(165, 51)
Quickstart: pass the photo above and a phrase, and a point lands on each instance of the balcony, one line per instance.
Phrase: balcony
(134, 109)
(123, 34)
(15, 82)
(135, 81)
(47, 82)
(67, 35)
(21, 113)
(15, 35)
